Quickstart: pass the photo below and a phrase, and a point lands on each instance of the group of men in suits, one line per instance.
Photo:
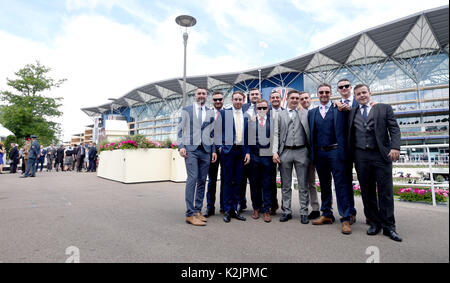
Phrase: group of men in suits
(250, 141)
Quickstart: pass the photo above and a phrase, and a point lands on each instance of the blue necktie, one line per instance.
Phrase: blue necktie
(364, 112)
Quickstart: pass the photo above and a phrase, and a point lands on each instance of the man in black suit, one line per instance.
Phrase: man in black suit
(374, 137)
(218, 101)
(14, 157)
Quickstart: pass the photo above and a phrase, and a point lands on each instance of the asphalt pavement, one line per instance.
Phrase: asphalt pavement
(69, 216)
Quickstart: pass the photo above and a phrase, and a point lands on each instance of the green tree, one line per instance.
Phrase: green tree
(26, 110)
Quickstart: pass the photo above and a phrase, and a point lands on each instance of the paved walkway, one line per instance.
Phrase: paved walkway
(111, 222)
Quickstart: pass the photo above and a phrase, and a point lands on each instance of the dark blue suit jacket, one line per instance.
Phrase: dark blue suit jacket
(228, 113)
(340, 128)
(187, 141)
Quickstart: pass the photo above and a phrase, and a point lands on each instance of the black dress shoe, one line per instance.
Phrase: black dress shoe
(391, 233)
(227, 217)
(304, 219)
(285, 217)
(238, 216)
(209, 213)
(314, 215)
(373, 230)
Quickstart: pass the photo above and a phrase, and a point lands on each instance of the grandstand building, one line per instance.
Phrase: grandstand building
(406, 63)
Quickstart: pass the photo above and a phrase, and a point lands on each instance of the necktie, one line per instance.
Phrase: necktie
(347, 102)
(217, 114)
(323, 111)
(261, 121)
(364, 112)
(200, 116)
(238, 127)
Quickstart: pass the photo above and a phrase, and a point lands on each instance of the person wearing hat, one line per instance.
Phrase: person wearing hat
(33, 155)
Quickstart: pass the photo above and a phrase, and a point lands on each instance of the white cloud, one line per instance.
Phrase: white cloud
(102, 58)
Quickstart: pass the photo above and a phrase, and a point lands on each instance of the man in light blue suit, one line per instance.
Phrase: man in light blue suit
(196, 146)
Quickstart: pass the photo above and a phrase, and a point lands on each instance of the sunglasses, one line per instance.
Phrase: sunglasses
(343, 86)
(324, 92)
(217, 99)
(262, 108)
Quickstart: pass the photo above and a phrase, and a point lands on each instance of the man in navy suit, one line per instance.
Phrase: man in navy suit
(235, 154)
(196, 146)
(328, 128)
(345, 104)
(260, 130)
(249, 110)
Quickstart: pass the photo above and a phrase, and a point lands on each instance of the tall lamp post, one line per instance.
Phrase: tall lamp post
(185, 22)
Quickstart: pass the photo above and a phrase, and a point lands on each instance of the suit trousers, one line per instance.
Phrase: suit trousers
(275, 188)
(261, 187)
(212, 184)
(31, 165)
(49, 163)
(328, 164)
(245, 180)
(233, 166)
(197, 165)
(313, 198)
(13, 168)
(297, 158)
(379, 210)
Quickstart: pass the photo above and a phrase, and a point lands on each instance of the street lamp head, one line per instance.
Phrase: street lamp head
(186, 21)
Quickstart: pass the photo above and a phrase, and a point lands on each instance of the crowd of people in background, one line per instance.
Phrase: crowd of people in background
(33, 157)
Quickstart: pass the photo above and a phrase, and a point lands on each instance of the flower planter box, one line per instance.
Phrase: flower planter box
(136, 166)
(178, 173)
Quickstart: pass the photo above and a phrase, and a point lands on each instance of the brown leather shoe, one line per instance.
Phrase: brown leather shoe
(255, 214)
(267, 217)
(346, 229)
(200, 217)
(195, 221)
(322, 220)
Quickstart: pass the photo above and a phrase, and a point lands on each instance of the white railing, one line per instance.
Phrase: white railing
(430, 163)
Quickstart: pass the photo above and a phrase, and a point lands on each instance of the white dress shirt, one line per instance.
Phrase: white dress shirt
(197, 108)
(368, 109)
(350, 99)
(241, 120)
(327, 107)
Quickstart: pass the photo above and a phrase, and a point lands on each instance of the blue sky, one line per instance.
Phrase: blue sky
(106, 48)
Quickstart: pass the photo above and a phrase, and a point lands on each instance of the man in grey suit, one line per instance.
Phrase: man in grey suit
(196, 146)
(306, 101)
(33, 155)
(291, 149)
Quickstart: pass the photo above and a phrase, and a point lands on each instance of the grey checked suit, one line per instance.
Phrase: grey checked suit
(293, 158)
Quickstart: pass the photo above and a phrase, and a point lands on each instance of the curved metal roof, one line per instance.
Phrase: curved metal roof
(414, 35)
